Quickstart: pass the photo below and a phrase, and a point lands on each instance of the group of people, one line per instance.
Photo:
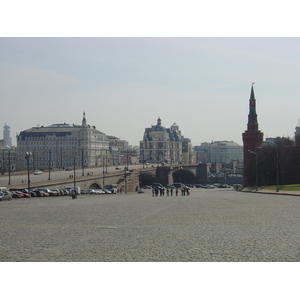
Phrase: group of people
(156, 190)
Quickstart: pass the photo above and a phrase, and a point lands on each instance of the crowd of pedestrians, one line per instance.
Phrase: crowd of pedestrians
(169, 191)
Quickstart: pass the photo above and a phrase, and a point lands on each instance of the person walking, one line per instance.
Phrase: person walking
(176, 192)
(74, 194)
(171, 192)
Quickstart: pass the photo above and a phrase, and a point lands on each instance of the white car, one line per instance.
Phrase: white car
(5, 196)
(38, 172)
(98, 191)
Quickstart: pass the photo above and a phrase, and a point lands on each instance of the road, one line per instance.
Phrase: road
(207, 226)
(59, 174)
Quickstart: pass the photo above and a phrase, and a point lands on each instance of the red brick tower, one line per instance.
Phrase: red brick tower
(252, 139)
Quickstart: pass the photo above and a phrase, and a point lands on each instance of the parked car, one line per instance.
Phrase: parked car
(68, 169)
(48, 192)
(90, 191)
(66, 192)
(40, 193)
(106, 191)
(98, 191)
(198, 186)
(189, 185)
(52, 192)
(158, 185)
(38, 172)
(237, 186)
(58, 193)
(31, 193)
(170, 186)
(23, 195)
(20, 192)
(5, 196)
(15, 194)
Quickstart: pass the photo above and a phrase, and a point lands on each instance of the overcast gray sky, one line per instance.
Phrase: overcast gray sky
(125, 84)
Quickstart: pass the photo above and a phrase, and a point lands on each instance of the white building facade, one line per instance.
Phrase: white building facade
(224, 152)
(64, 145)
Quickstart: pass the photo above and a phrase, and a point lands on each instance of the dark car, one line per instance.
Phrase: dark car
(15, 194)
(158, 185)
(32, 193)
(21, 193)
(40, 193)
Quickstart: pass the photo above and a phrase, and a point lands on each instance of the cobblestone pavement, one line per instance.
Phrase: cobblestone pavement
(207, 226)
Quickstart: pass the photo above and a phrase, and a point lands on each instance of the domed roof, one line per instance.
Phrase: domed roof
(158, 126)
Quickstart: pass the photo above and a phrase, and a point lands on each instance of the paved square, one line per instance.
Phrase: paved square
(208, 225)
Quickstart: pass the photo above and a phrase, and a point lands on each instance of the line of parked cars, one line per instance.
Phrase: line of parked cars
(188, 186)
(96, 191)
(24, 193)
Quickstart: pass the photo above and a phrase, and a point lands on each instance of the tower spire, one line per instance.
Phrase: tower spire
(252, 117)
(84, 120)
(252, 92)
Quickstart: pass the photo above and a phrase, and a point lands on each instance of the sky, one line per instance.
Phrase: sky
(176, 63)
(124, 84)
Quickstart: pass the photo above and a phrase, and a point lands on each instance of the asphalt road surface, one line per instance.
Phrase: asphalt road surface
(54, 175)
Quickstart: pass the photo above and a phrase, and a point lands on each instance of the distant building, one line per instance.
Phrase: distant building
(187, 153)
(252, 139)
(201, 153)
(222, 152)
(272, 141)
(6, 135)
(63, 145)
(3, 145)
(125, 152)
(163, 145)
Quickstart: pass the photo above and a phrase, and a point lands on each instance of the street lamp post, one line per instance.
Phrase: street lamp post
(8, 164)
(82, 161)
(49, 163)
(256, 168)
(277, 170)
(106, 160)
(103, 176)
(27, 156)
(143, 158)
(126, 169)
(74, 175)
(61, 160)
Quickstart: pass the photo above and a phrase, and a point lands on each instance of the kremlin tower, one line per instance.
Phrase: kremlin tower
(252, 139)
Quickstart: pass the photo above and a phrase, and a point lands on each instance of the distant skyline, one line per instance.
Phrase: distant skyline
(125, 84)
